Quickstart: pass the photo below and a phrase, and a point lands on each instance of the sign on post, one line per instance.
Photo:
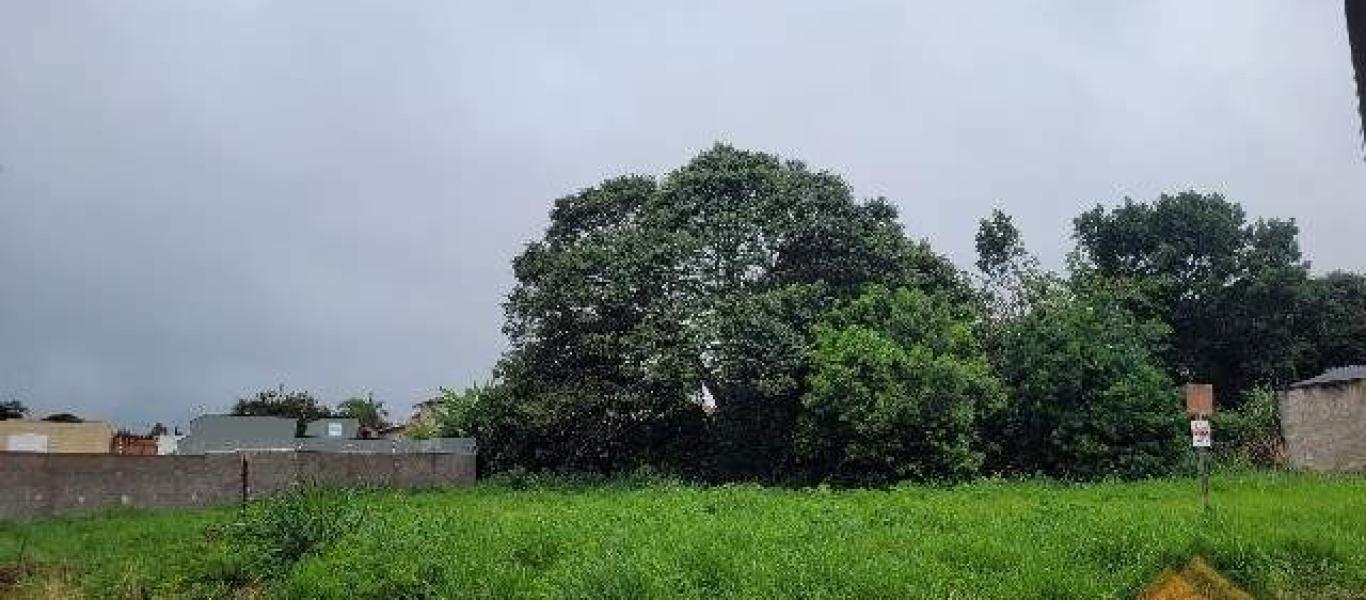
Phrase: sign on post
(1201, 436)
(1199, 408)
(1199, 400)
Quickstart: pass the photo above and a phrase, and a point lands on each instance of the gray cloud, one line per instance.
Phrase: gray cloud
(202, 199)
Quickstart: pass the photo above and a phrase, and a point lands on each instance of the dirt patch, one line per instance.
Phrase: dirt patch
(13, 573)
(1196, 581)
(29, 579)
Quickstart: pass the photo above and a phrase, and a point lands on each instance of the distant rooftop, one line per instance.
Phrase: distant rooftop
(1331, 376)
(225, 433)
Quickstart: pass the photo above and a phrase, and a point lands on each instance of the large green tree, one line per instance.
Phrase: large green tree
(1195, 262)
(647, 300)
(579, 388)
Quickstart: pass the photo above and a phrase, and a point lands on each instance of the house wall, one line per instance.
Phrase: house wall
(45, 484)
(135, 445)
(345, 428)
(1324, 426)
(87, 438)
(166, 444)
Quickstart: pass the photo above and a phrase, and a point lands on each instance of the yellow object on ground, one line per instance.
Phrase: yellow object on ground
(1197, 581)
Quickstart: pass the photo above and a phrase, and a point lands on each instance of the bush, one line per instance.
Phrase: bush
(897, 384)
(273, 533)
(457, 412)
(1088, 397)
(1251, 434)
(502, 426)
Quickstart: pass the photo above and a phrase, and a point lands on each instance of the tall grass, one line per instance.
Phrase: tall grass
(1291, 535)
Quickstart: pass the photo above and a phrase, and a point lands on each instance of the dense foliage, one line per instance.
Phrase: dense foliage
(1088, 396)
(899, 387)
(745, 318)
(1251, 434)
(647, 301)
(1336, 315)
(1195, 262)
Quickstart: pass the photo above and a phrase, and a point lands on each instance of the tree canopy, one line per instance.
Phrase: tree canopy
(368, 411)
(745, 317)
(63, 418)
(1195, 262)
(646, 299)
(12, 409)
(298, 405)
(1337, 314)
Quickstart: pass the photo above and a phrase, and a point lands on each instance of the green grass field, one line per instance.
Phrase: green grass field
(1278, 535)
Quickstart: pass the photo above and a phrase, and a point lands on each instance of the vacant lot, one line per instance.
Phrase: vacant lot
(1279, 535)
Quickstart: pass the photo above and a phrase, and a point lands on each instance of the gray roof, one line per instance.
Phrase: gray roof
(1332, 376)
(227, 433)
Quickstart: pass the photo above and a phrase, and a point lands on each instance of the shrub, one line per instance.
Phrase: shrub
(1088, 397)
(273, 533)
(897, 384)
(1251, 434)
(457, 412)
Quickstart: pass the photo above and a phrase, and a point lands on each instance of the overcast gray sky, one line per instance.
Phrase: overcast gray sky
(201, 199)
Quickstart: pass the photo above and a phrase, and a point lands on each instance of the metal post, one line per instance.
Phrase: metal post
(1199, 408)
(1204, 475)
(244, 479)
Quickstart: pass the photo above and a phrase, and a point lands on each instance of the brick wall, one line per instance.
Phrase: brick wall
(1325, 426)
(44, 484)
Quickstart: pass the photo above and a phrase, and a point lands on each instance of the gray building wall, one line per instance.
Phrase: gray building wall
(45, 484)
(225, 433)
(322, 428)
(1324, 426)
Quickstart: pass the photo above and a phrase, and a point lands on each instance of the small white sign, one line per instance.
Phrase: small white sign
(1201, 435)
(26, 442)
(334, 430)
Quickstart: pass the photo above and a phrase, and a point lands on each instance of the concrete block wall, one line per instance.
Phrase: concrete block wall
(1324, 426)
(34, 485)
